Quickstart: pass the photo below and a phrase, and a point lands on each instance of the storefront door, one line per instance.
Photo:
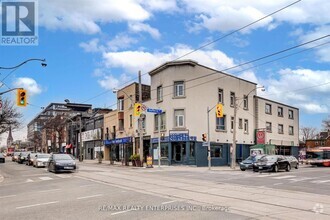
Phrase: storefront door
(178, 151)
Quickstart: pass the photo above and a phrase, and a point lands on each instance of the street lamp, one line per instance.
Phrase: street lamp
(233, 149)
(43, 64)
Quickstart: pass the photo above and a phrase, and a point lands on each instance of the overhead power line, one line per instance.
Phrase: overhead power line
(207, 44)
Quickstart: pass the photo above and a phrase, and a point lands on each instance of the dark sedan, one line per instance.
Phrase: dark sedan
(61, 163)
(22, 157)
(293, 161)
(248, 162)
(272, 163)
(2, 158)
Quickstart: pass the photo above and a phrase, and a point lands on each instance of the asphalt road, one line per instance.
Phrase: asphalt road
(31, 193)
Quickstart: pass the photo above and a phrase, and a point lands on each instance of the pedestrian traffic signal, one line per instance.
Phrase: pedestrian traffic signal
(204, 137)
(21, 98)
(137, 109)
(219, 111)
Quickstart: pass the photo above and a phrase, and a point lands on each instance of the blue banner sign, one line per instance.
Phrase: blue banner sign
(118, 141)
(153, 110)
(155, 140)
(175, 138)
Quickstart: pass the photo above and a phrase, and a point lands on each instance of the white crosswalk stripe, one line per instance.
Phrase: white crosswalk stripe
(45, 178)
(283, 177)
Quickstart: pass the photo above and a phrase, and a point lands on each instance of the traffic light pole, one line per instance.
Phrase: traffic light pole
(140, 121)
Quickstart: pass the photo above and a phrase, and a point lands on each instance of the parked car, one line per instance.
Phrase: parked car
(248, 162)
(30, 158)
(61, 163)
(293, 161)
(272, 163)
(15, 156)
(2, 159)
(41, 160)
(22, 157)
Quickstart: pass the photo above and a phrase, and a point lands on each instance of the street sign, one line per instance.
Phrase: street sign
(153, 110)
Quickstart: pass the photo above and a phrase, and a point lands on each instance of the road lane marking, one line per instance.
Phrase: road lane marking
(88, 185)
(268, 175)
(42, 174)
(320, 181)
(45, 178)
(29, 181)
(2, 197)
(116, 213)
(86, 197)
(39, 204)
(276, 184)
(50, 190)
(283, 177)
(168, 202)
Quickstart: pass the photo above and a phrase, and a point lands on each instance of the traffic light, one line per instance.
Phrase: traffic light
(21, 98)
(219, 111)
(137, 109)
(204, 137)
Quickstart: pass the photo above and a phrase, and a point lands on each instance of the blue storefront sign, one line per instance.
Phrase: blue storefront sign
(118, 141)
(156, 111)
(175, 137)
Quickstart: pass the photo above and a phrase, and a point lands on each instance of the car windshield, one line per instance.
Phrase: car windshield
(62, 157)
(43, 155)
(268, 159)
(254, 158)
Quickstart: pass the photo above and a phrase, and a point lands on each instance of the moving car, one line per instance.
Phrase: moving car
(61, 163)
(15, 156)
(248, 162)
(2, 159)
(22, 157)
(293, 161)
(272, 163)
(30, 159)
(40, 160)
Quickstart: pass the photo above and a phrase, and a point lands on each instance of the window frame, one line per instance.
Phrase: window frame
(232, 99)
(246, 102)
(178, 84)
(220, 96)
(121, 104)
(246, 126)
(219, 126)
(160, 93)
(280, 111)
(213, 150)
(178, 117)
(279, 130)
(290, 117)
(270, 108)
(291, 133)
(162, 122)
(240, 123)
(269, 127)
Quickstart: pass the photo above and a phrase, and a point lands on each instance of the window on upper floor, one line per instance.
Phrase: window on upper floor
(220, 95)
(121, 124)
(221, 123)
(162, 121)
(232, 99)
(121, 104)
(268, 126)
(179, 121)
(246, 126)
(231, 123)
(280, 129)
(268, 108)
(245, 102)
(279, 111)
(290, 114)
(179, 89)
(290, 130)
(159, 93)
(240, 123)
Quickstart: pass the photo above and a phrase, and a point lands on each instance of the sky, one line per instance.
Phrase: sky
(93, 46)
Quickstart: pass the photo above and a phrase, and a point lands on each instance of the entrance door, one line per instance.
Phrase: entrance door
(178, 151)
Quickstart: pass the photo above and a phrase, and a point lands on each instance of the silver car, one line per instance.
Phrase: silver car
(41, 160)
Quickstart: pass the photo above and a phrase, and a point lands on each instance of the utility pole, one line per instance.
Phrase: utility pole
(159, 140)
(140, 121)
(80, 143)
(208, 139)
(233, 148)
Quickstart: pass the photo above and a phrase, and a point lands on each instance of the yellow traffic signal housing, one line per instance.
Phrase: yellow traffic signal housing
(204, 137)
(21, 98)
(137, 109)
(219, 111)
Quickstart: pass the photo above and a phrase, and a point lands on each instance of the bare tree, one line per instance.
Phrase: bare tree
(307, 133)
(10, 117)
(56, 126)
(326, 123)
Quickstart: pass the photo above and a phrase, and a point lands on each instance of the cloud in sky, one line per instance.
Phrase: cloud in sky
(140, 27)
(29, 84)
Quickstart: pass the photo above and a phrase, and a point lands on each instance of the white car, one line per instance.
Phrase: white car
(41, 160)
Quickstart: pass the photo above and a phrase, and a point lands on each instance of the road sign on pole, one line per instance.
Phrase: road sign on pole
(156, 111)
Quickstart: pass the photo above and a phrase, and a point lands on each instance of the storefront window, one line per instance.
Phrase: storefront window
(216, 151)
(164, 149)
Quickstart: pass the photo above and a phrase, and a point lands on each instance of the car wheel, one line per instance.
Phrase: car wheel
(288, 168)
(242, 169)
(275, 168)
(297, 166)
